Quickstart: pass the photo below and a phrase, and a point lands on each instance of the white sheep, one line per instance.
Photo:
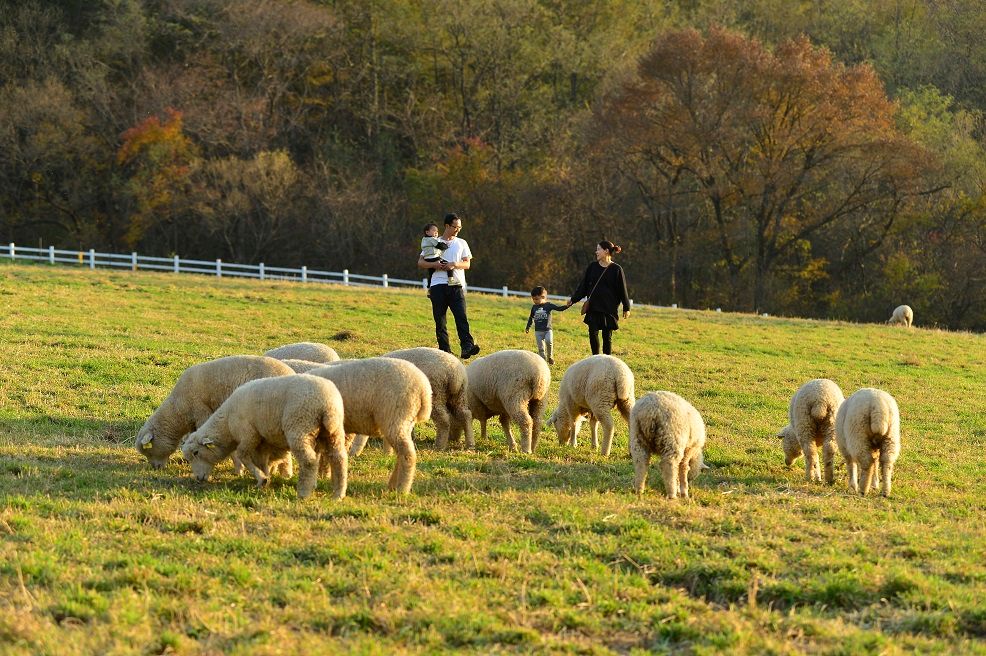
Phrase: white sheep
(511, 385)
(593, 386)
(903, 316)
(199, 391)
(386, 397)
(302, 366)
(449, 401)
(668, 426)
(301, 413)
(311, 351)
(811, 417)
(867, 427)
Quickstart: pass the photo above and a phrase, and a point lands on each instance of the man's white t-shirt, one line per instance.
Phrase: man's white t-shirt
(457, 251)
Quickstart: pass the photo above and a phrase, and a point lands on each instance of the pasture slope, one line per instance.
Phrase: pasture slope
(493, 552)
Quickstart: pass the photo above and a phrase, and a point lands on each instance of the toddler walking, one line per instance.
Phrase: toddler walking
(541, 318)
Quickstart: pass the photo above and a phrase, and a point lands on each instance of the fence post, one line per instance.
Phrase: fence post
(345, 277)
(304, 273)
(261, 270)
(424, 283)
(92, 258)
(384, 280)
(505, 291)
(219, 268)
(133, 260)
(177, 264)
(51, 255)
(11, 250)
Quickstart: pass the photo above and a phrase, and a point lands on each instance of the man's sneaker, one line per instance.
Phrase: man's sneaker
(551, 360)
(469, 352)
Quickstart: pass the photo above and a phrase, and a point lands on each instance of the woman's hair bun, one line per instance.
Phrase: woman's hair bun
(617, 249)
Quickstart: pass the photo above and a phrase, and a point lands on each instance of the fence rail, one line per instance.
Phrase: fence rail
(220, 269)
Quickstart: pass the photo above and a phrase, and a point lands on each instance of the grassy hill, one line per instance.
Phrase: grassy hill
(492, 551)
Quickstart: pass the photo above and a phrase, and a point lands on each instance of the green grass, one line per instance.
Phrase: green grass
(492, 551)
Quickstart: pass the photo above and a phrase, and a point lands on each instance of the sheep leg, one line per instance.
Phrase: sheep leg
(338, 459)
(828, 457)
(669, 472)
(403, 475)
(246, 457)
(237, 465)
(641, 464)
(535, 410)
(482, 428)
(886, 470)
(463, 423)
(811, 460)
(308, 460)
(867, 467)
(359, 443)
(683, 476)
(526, 426)
(593, 431)
(505, 423)
(853, 468)
(443, 425)
(388, 448)
(605, 419)
(573, 440)
(285, 466)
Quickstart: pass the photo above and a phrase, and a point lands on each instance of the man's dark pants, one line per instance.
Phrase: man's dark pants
(443, 298)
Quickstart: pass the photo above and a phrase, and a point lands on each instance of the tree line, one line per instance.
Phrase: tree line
(812, 158)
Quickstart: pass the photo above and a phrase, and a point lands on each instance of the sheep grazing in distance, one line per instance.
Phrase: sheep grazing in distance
(199, 391)
(668, 426)
(867, 428)
(449, 402)
(593, 386)
(299, 413)
(386, 397)
(811, 417)
(903, 316)
(311, 351)
(302, 366)
(511, 385)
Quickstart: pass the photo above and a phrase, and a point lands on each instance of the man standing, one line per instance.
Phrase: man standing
(448, 288)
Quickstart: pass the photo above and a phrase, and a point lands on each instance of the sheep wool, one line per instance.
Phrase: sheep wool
(449, 402)
(302, 366)
(263, 418)
(385, 397)
(511, 385)
(311, 351)
(593, 386)
(867, 428)
(665, 425)
(811, 425)
(903, 316)
(198, 392)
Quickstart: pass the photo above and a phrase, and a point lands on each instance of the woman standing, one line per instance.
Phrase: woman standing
(606, 287)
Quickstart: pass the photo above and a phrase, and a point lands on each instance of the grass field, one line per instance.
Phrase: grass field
(493, 552)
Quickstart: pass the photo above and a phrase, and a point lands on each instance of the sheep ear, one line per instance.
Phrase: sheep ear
(206, 441)
(780, 435)
(704, 467)
(145, 441)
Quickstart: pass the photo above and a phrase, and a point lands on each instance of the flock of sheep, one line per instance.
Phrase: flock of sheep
(302, 401)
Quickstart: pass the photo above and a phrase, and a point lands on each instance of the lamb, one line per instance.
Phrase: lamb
(311, 351)
(302, 413)
(903, 316)
(811, 417)
(512, 385)
(386, 397)
(199, 391)
(449, 401)
(664, 424)
(302, 366)
(867, 426)
(593, 386)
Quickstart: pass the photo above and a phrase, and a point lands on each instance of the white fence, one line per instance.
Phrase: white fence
(220, 269)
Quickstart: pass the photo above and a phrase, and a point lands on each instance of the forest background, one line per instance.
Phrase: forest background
(818, 158)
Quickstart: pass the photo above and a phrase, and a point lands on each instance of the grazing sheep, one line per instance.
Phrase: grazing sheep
(199, 391)
(903, 316)
(302, 413)
(668, 426)
(867, 427)
(512, 385)
(593, 386)
(811, 417)
(302, 366)
(386, 397)
(311, 351)
(449, 401)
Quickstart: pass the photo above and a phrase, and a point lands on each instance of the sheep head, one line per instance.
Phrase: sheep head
(563, 427)
(696, 466)
(156, 452)
(202, 453)
(789, 440)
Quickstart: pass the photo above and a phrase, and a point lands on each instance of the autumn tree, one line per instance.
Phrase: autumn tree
(779, 145)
